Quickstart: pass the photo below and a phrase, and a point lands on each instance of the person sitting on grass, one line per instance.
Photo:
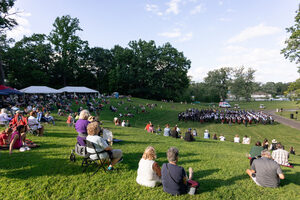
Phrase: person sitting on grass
(17, 139)
(255, 151)
(236, 139)
(194, 132)
(174, 178)
(151, 129)
(265, 144)
(215, 137)
(189, 136)
(206, 134)
(4, 137)
(34, 124)
(265, 172)
(281, 156)
(49, 118)
(102, 148)
(174, 133)
(81, 125)
(167, 130)
(246, 140)
(127, 124)
(70, 120)
(222, 138)
(149, 172)
(148, 126)
(292, 151)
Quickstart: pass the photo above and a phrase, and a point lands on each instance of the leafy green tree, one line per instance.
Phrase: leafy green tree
(218, 81)
(29, 62)
(68, 49)
(7, 22)
(292, 49)
(270, 88)
(281, 88)
(243, 84)
(99, 62)
(293, 90)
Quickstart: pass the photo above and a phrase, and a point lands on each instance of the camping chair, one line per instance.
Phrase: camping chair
(87, 161)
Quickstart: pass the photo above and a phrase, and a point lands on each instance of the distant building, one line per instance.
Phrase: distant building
(261, 96)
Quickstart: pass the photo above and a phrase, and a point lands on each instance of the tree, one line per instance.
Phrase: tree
(29, 62)
(243, 84)
(218, 81)
(270, 88)
(293, 90)
(292, 49)
(99, 62)
(145, 70)
(68, 47)
(6, 23)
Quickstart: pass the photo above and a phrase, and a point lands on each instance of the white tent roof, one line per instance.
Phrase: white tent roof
(39, 90)
(77, 89)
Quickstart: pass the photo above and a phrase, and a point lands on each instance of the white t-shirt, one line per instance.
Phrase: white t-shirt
(100, 145)
(246, 140)
(33, 123)
(146, 175)
(236, 139)
(123, 124)
(222, 138)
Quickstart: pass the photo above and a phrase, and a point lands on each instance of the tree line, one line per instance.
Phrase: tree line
(62, 58)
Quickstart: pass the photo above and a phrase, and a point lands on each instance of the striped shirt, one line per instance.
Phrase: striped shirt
(281, 157)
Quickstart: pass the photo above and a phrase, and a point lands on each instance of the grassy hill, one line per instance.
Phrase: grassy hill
(47, 173)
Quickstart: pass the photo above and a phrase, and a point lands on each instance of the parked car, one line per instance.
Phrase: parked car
(224, 104)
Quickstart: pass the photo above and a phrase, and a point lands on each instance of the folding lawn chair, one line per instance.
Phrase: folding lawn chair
(87, 161)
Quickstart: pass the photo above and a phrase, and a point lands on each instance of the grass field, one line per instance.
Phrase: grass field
(47, 173)
(286, 114)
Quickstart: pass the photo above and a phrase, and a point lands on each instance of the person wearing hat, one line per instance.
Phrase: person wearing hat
(18, 120)
(273, 146)
(206, 134)
(189, 136)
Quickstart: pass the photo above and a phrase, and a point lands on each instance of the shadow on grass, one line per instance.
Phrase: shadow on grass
(208, 185)
(291, 178)
(203, 173)
(33, 164)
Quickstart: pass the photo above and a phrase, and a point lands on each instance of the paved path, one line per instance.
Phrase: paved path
(289, 122)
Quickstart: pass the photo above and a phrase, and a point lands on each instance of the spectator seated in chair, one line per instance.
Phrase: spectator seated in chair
(81, 126)
(4, 119)
(34, 125)
(102, 148)
(18, 120)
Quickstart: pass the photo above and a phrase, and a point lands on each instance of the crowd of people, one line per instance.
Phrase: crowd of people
(225, 116)
(265, 166)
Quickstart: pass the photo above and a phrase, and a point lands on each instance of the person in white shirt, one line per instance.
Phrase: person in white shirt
(236, 139)
(222, 138)
(34, 124)
(4, 119)
(246, 140)
(280, 155)
(149, 172)
(102, 147)
(123, 124)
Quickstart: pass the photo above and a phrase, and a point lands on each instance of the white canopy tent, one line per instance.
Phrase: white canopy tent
(39, 90)
(77, 89)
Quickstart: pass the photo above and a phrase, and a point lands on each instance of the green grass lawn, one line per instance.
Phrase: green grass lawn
(287, 114)
(47, 173)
